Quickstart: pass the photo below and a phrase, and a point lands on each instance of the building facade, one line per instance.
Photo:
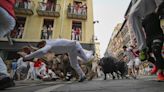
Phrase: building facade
(114, 44)
(97, 49)
(51, 19)
(124, 37)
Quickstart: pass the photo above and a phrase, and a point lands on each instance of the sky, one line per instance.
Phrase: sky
(109, 13)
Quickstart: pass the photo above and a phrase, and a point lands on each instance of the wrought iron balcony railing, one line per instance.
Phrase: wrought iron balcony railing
(76, 13)
(25, 8)
(48, 9)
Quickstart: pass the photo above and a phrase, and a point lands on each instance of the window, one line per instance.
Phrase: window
(77, 2)
(19, 28)
(51, 5)
(47, 29)
(48, 22)
(48, 5)
(76, 30)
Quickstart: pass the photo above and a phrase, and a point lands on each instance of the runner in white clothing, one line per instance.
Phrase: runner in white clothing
(133, 62)
(139, 10)
(31, 72)
(21, 68)
(62, 46)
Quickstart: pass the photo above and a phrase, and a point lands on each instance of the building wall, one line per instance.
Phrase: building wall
(118, 41)
(97, 49)
(115, 41)
(62, 25)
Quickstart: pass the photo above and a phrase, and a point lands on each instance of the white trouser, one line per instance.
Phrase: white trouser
(73, 36)
(75, 52)
(53, 75)
(7, 22)
(138, 11)
(31, 74)
(134, 63)
(36, 69)
(3, 68)
(42, 71)
(74, 49)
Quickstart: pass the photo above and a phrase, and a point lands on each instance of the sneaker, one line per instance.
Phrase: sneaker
(6, 82)
(160, 76)
(68, 77)
(143, 55)
(154, 70)
(82, 79)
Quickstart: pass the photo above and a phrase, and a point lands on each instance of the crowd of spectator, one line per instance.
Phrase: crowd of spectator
(77, 8)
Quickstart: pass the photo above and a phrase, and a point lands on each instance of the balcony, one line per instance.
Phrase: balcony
(25, 8)
(48, 10)
(74, 13)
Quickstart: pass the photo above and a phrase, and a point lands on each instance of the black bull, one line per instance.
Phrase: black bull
(111, 65)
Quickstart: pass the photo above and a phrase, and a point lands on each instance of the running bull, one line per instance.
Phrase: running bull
(112, 65)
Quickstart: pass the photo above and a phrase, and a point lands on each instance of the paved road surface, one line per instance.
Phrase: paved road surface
(144, 84)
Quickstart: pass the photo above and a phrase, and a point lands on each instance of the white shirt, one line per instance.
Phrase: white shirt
(58, 46)
(21, 63)
(129, 53)
(31, 66)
